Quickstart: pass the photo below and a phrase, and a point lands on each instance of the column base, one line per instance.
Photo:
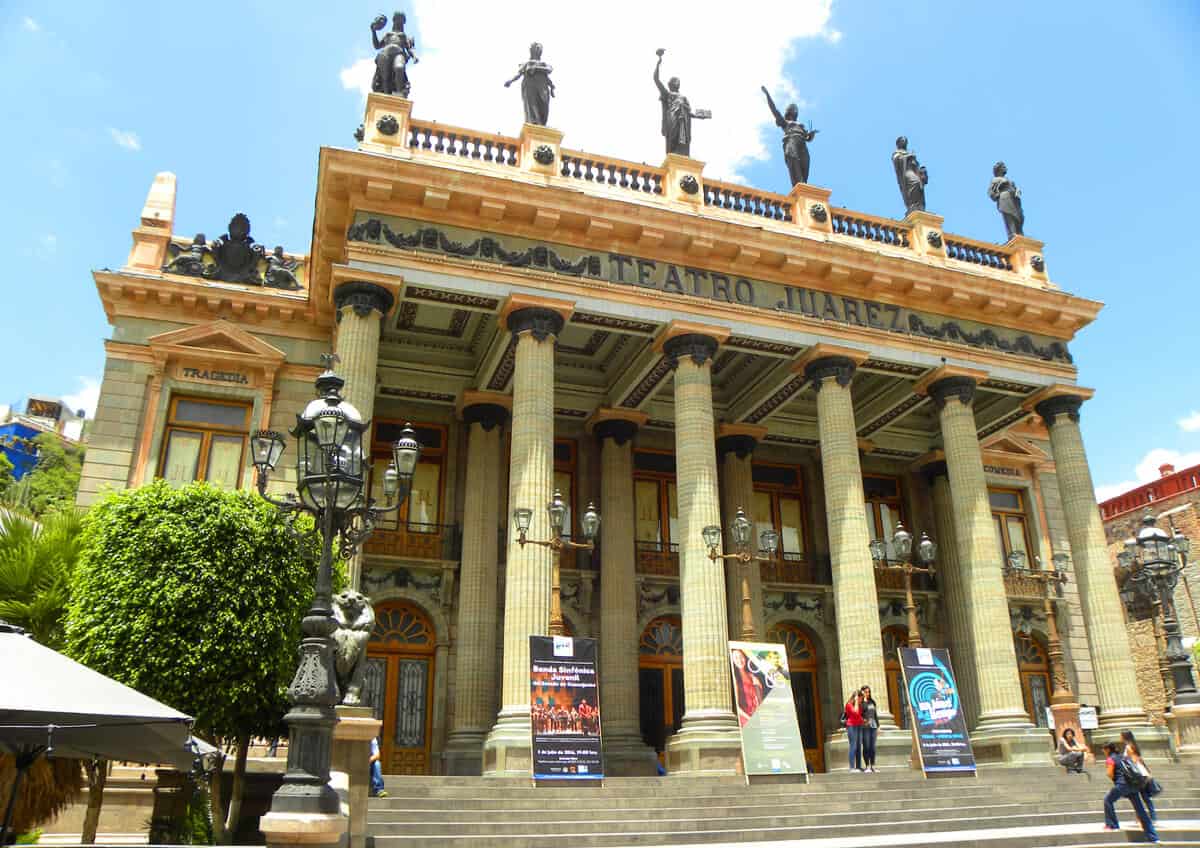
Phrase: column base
(1012, 746)
(285, 830)
(464, 753)
(626, 755)
(508, 749)
(706, 746)
(1184, 721)
(893, 750)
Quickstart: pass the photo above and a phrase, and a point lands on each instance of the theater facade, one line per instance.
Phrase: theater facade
(671, 348)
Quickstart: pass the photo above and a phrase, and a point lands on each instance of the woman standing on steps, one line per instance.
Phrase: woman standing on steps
(853, 719)
(1116, 766)
(870, 728)
(1134, 754)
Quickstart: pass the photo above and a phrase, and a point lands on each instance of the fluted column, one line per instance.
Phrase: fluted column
(1108, 641)
(856, 602)
(981, 563)
(962, 653)
(528, 569)
(478, 610)
(625, 754)
(735, 450)
(708, 741)
(360, 310)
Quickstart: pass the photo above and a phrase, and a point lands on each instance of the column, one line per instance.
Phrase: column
(856, 602)
(624, 752)
(949, 577)
(506, 752)
(360, 310)
(735, 451)
(478, 607)
(709, 741)
(1002, 717)
(1092, 567)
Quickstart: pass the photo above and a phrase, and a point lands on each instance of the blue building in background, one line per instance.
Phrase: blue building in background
(42, 415)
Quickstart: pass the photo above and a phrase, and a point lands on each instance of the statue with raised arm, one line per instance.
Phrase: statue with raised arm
(911, 176)
(395, 52)
(1008, 200)
(677, 113)
(795, 139)
(536, 86)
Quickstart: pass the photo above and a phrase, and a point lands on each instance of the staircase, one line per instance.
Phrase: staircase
(1005, 808)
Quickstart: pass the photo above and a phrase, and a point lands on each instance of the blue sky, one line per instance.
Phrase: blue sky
(1093, 105)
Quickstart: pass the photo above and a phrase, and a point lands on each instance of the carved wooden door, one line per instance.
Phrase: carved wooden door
(399, 685)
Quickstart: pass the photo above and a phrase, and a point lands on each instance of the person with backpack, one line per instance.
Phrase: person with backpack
(852, 720)
(1134, 753)
(1127, 783)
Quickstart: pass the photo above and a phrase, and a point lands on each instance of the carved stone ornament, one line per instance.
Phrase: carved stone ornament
(841, 368)
(741, 444)
(1053, 407)
(355, 619)
(818, 213)
(699, 347)
(934, 238)
(620, 430)
(489, 416)
(689, 184)
(235, 256)
(962, 388)
(388, 125)
(281, 271)
(541, 322)
(543, 154)
(360, 133)
(362, 297)
(1037, 263)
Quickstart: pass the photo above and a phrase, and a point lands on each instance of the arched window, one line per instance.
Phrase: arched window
(803, 662)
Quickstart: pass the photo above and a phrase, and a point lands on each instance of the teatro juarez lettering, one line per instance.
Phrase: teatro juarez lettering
(689, 281)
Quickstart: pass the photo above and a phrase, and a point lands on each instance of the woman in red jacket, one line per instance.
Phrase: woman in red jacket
(854, 725)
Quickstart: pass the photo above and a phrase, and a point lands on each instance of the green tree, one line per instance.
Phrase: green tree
(36, 564)
(54, 480)
(194, 596)
(6, 472)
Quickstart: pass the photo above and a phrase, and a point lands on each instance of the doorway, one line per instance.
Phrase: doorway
(660, 681)
(803, 665)
(1034, 665)
(895, 637)
(399, 684)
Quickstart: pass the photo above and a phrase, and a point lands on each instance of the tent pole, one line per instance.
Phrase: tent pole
(25, 758)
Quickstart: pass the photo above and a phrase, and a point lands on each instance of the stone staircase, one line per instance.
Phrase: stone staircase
(1006, 808)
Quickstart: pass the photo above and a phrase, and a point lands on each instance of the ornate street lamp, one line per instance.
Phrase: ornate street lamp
(330, 473)
(925, 553)
(589, 524)
(1051, 583)
(741, 531)
(1148, 571)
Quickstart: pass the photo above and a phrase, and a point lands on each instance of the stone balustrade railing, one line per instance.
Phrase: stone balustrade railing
(445, 140)
(870, 228)
(739, 198)
(618, 173)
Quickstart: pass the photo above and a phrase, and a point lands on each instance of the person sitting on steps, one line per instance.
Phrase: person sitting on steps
(1072, 752)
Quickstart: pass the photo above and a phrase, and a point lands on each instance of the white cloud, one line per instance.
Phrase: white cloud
(1147, 471)
(86, 398)
(1190, 423)
(30, 25)
(127, 139)
(603, 66)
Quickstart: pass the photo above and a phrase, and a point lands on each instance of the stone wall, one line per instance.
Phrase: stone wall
(113, 435)
(1145, 660)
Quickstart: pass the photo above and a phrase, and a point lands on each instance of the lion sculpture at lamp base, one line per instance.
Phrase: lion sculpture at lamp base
(355, 619)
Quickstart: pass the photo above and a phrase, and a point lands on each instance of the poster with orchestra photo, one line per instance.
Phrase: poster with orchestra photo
(564, 709)
(762, 690)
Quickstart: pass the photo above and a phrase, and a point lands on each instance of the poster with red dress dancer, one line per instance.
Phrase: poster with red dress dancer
(762, 690)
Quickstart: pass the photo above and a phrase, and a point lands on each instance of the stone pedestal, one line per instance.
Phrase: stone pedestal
(285, 830)
(893, 749)
(811, 207)
(385, 124)
(684, 174)
(926, 233)
(352, 735)
(1184, 723)
(533, 137)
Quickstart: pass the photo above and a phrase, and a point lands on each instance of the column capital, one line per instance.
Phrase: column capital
(740, 439)
(363, 297)
(535, 311)
(700, 348)
(826, 360)
(620, 425)
(1057, 399)
(489, 416)
(933, 470)
(950, 381)
(539, 321)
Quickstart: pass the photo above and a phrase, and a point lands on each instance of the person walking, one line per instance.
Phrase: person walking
(854, 725)
(377, 790)
(1147, 793)
(1071, 752)
(1118, 768)
(870, 728)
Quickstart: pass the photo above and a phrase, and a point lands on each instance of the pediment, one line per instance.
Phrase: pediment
(218, 337)
(1014, 449)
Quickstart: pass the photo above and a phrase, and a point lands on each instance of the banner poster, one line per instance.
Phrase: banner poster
(936, 711)
(564, 706)
(762, 689)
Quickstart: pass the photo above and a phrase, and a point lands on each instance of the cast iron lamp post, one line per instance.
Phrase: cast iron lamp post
(1051, 583)
(741, 532)
(926, 553)
(330, 472)
(557, 511)
(1148, 570)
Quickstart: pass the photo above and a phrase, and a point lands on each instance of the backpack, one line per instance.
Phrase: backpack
(1127, 770)
(842, 720)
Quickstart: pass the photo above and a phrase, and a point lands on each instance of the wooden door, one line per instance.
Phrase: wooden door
(1034, 665)
(399, 685)
(895, 637)
(803, 665)
(660, 680)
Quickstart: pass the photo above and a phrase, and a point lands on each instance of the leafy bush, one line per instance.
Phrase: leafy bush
(36, 564)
